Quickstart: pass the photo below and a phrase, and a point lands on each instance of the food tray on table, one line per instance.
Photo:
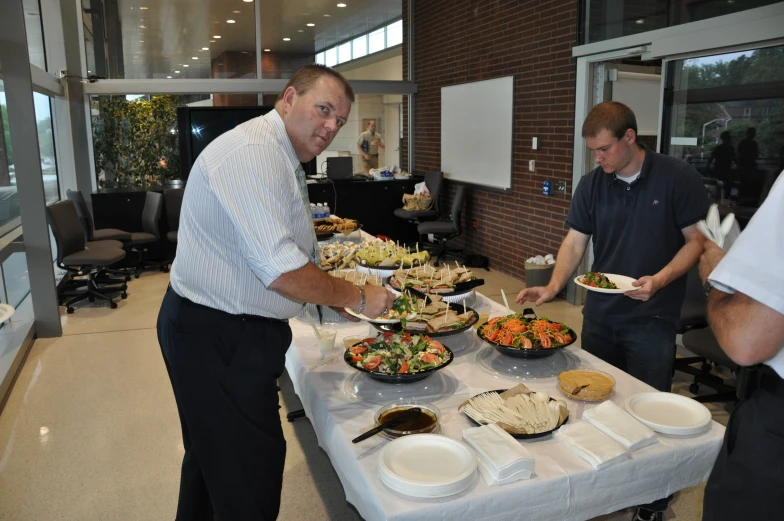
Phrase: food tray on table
(520, 434)
(398, 327)
(523, 335)
(398, 358)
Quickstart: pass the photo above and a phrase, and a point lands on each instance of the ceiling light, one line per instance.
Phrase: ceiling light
(216, 36)
(168, 77)
(311, 25)
(229, 21)
(286, 39)
(640, 21)
(236, 12)
(142, 27)
(141, 41)
(143, 8)
(267, 50)
(300, 31)
(176, 72)
(341, 5)
(248, 1)
(185, 65)
(326, 16)
(205, 48)
(195, 58)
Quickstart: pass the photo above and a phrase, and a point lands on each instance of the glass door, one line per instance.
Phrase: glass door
(724, 114)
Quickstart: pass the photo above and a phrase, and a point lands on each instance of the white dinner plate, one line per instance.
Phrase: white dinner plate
(373, 320)
(427, 465)
(669, 413)
(623, 282)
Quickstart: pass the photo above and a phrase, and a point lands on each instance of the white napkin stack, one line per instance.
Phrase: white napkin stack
(715, 229)
(501, 458)
(620, 426)
(591, 444)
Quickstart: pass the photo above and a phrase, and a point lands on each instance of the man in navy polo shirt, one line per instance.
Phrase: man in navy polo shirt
(641, 209)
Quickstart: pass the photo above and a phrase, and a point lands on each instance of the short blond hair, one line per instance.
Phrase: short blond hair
(307, 76)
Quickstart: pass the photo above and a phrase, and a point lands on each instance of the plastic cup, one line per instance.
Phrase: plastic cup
(352, 340)
(326, 340)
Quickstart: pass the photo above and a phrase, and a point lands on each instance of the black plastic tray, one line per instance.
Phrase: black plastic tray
(517, 352)
(516, 435)
(397, 328)
(405, 378)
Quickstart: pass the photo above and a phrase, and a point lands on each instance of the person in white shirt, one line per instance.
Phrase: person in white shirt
(245, 264)
(746, 314)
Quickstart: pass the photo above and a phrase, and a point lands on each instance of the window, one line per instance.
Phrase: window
(359, 46)
(320, 58)
(747, 112)
(332, 57)
(9, 201)
(376, 41)
(43, 117)
(35, 37)
(395, 34)
(344, 52)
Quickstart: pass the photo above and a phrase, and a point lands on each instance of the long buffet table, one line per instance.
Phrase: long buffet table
(341, 402)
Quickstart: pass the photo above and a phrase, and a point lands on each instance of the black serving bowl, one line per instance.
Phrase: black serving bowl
(397, 378)
(518, 352)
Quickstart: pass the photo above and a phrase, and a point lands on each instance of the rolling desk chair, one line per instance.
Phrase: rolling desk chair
(173, 198)
(446, 230)
(434, 181)
(74, 256)
(151, 215)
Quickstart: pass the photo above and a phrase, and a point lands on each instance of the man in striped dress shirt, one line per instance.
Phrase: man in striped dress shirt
(245, 266)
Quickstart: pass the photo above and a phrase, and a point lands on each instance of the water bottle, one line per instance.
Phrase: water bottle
(319, 211)
(327, 210)
(313, 211)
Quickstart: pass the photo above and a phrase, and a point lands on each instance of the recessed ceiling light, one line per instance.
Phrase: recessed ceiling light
(300, 31)
(311, 25)
(143, 8)
(286, 39)
(248, 1)
(326, 16)
(236, 12)
(142, 27)
(229, 21)
(216, 36)
(141, 41)
(267, 50)
(212, 41)
(185, 65)
(195, 58)
(168, 77)
(341, 5)
(176, 72)
(205, 48)
(639, 21)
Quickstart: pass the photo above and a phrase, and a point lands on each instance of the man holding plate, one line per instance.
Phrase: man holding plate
(641, 209)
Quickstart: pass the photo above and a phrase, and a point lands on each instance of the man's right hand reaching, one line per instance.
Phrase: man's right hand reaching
(377, 299)
(538, 295)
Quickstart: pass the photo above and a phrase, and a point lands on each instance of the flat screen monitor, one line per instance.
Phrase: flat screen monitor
(340, 167)
(199, 126)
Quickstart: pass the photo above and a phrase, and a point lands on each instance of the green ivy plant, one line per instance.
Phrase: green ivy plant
(135, 143)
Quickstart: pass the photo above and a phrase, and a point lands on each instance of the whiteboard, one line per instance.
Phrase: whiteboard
(476, 132)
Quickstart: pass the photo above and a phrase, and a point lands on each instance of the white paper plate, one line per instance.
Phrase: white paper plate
(373, 320)
(427, 465)
(6, 311)
(669, 413)
(623, 282)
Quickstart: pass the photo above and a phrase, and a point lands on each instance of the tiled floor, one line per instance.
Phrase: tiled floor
(90, 431)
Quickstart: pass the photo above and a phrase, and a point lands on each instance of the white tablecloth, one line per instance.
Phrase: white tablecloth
(341, 402)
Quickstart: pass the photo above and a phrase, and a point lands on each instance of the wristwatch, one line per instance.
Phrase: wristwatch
(362, 301)
(706, 288)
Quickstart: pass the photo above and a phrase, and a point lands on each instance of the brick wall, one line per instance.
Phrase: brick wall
(460, 41)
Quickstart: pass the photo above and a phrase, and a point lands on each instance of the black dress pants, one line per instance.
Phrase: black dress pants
(747, 479)
(224, 370)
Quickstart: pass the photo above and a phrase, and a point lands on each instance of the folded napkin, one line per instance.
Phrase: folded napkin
(591, 444)
(715, 229)
(620, 426)
(502, 458)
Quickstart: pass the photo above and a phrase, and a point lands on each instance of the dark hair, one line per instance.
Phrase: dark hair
(615, 117)
(308, 75)
(725, 136)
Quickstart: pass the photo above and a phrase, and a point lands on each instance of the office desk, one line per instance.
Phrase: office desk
(372, 203)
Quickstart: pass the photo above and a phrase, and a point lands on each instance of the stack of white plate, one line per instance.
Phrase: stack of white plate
(382, 273)
(669, 413)
(427, 465)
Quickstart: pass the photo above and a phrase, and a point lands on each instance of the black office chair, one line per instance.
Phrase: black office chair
(434, 181)
(75, 257)
(151, 215)
(173, 198)
(446, 230)
(709, 353)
